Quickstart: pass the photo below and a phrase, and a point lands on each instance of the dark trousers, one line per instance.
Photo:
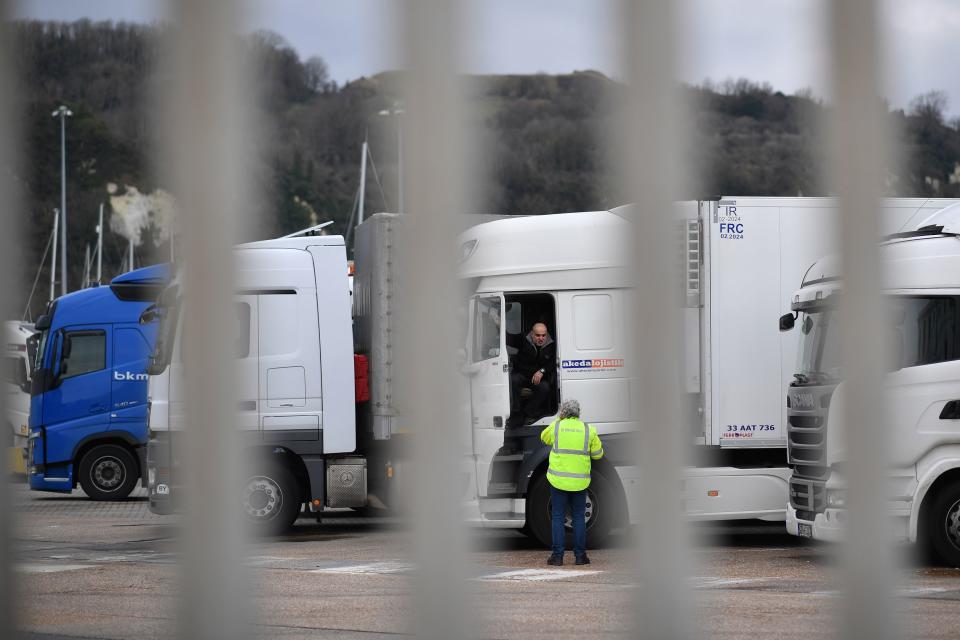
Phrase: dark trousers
(577, 500)
(536, 405)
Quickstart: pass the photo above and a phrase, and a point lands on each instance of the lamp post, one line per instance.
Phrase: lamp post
(63, 112)
(397, 110)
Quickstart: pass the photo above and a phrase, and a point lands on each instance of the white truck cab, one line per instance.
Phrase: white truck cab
(295, 385)
(922, 391)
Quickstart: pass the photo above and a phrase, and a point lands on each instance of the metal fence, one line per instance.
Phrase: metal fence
(207, 124)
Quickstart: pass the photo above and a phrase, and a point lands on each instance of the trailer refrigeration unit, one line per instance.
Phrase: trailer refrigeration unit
(88, 406)
(570, 271)
(302, 388)
(921, 392)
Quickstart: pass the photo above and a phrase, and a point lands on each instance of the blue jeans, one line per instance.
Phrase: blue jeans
(578, 506)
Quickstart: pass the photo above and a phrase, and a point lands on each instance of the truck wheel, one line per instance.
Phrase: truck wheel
(271, 500)
(108, 472)
(943, 525)
(599, 514)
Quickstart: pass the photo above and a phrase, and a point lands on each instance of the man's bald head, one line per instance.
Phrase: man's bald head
(539, 334)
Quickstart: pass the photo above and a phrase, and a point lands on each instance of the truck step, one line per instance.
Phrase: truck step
(502, 488)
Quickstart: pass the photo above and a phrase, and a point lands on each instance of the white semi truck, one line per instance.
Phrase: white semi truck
(570, 271)
(921, 391)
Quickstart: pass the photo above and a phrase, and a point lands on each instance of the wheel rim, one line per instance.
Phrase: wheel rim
(951, 524)
(589, 513)
(262, 498)
(108, 473)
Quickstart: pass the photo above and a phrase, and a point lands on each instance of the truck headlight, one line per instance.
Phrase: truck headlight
(837, 498)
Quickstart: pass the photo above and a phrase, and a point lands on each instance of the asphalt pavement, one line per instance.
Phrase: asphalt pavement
(110, 570)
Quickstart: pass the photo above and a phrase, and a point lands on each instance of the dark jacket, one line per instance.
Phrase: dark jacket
(531, 358)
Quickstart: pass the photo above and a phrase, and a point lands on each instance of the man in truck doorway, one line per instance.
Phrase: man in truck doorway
(573, 446)
(534, 368)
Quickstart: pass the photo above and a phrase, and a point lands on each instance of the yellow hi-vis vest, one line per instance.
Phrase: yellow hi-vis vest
(573, 445)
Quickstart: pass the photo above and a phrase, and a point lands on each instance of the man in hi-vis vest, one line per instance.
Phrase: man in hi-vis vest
(573, 444)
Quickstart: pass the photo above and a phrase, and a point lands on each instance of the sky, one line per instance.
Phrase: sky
(780, 42)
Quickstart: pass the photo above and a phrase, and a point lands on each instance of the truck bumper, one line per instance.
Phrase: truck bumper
(59, 483)
(827, 526)
(159, 466)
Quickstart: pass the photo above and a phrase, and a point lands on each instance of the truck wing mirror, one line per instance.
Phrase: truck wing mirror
(43, 323)
(786, 321)
(150, 314)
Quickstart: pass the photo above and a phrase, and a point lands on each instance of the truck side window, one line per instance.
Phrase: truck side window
(242, 330)
(927, 329)
(88, 352)
(486, 329)
(13, 370)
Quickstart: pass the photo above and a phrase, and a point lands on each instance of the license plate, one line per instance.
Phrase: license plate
(805, 530)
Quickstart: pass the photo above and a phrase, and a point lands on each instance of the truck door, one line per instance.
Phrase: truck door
(131, 353)
(79, 401)
(488, 369)
(286, 411)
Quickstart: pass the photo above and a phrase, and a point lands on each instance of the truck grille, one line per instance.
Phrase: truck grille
(807, 429)
(807, 496)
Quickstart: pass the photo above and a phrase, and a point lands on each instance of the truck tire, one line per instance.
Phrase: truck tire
(271, 500)
(943, 524)
(600, 504)
(108, 472)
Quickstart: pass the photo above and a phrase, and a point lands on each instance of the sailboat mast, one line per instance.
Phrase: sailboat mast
(53, 259)
(100, 246)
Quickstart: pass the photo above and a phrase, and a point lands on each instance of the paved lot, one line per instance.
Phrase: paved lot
(109, 570)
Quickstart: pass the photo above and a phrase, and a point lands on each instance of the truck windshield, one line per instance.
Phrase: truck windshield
(819, 356)
(168, 310)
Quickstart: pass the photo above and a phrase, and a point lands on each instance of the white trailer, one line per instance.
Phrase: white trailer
(921, 391)
(570, 271)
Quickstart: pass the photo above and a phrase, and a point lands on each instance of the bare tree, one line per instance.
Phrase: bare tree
(930, 106)
(317, 74)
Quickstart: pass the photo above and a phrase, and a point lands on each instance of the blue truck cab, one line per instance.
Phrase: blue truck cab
(88, 400)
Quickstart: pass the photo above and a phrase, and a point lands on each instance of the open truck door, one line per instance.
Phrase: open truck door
(488, 369)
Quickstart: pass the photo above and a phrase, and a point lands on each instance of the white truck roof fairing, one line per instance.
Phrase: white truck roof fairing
(912, 261)
(580, 250)
(948, 218)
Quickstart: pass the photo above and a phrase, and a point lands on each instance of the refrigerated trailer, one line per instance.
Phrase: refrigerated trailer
(303, 360)
(921, 392)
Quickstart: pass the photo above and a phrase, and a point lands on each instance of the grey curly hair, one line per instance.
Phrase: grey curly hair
(570, 409)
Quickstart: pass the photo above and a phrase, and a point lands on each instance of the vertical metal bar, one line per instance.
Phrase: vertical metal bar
(649, 144)
(208, 132)
(435, 188)
(10, 206)
(858, 144)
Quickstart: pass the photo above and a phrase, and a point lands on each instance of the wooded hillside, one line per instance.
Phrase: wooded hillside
(539, 138)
